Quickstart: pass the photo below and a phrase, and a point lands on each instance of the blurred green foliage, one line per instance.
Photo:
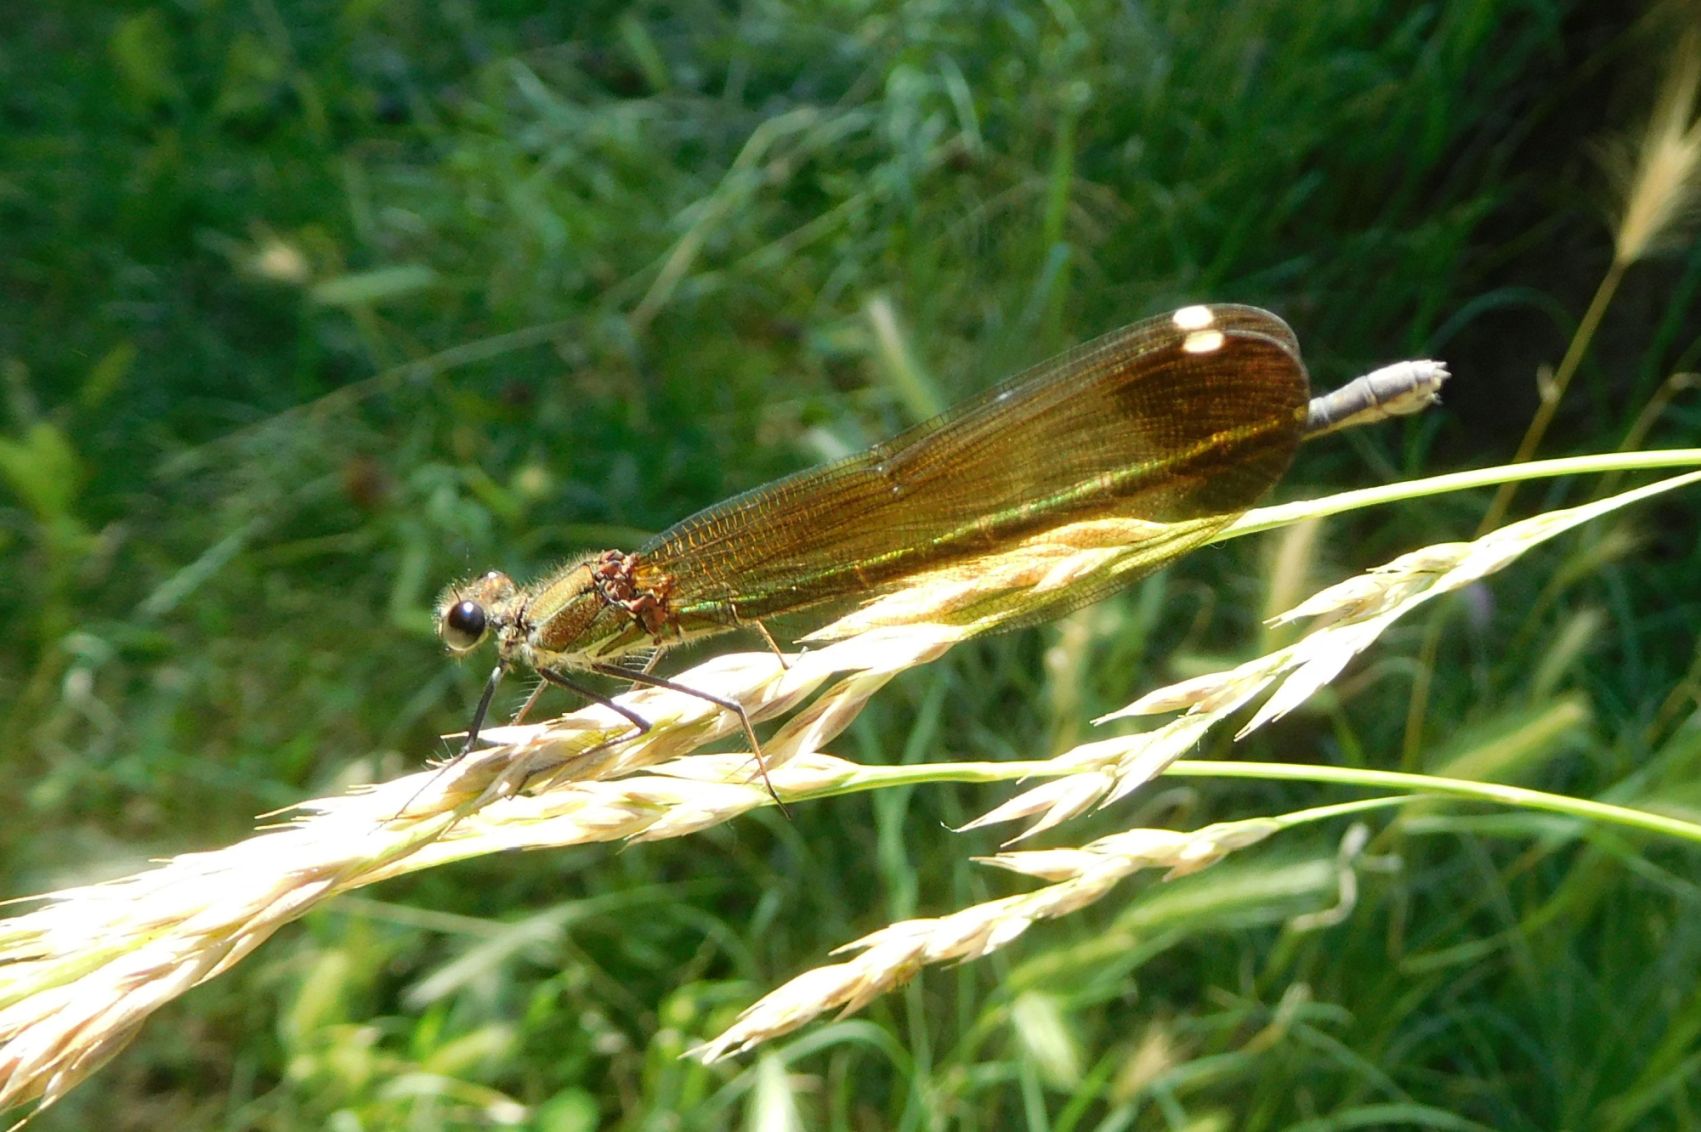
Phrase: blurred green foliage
(310, 307)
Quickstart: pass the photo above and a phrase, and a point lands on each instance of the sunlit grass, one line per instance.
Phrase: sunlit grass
(318, 308)
(86, 970)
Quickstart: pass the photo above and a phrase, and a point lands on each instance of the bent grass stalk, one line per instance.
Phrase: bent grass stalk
(82, 972)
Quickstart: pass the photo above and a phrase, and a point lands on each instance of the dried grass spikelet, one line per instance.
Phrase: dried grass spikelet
(891, 956)
(1659, 173)
(1659, 177)
(81, 972)
(1349, 616)
(1353, 613)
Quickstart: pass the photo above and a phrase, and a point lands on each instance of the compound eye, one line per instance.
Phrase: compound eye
(463, 626)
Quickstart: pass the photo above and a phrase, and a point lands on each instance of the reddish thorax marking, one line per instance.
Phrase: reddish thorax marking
(616, 578)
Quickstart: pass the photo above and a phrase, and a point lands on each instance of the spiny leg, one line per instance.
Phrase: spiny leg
(722, 702)
(477, 725)
(767, 637)
(773, 646)
(483, 707)
(531, 702)
(640, 725)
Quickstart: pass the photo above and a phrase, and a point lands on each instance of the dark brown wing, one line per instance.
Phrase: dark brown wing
(1187, 416)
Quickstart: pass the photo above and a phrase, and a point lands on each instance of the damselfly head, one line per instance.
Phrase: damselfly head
(467, 610)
